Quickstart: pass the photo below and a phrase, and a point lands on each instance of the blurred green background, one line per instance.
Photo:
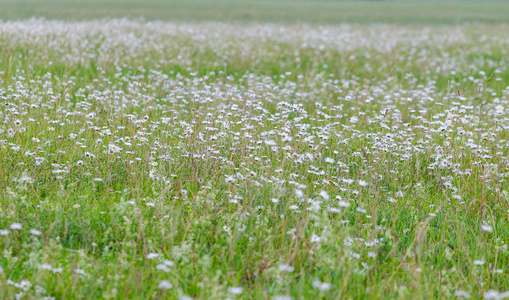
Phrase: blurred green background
(281, 11)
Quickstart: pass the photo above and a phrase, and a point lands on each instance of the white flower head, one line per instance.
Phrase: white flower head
(461, 293)
(35, 232)
(324, 195)
(235, 290)
(322, 286)
(152, 255)
(492, 294)
(286, 268)
(486, 228)
(329, 160)
(16, 226)
(164, 285)
(162, 267)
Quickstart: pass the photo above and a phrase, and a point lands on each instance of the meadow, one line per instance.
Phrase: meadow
(151, 159)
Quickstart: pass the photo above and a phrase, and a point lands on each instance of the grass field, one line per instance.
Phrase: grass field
(280, 11)
(232, 160)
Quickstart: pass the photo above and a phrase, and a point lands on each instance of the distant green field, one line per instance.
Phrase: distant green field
(283, 11)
